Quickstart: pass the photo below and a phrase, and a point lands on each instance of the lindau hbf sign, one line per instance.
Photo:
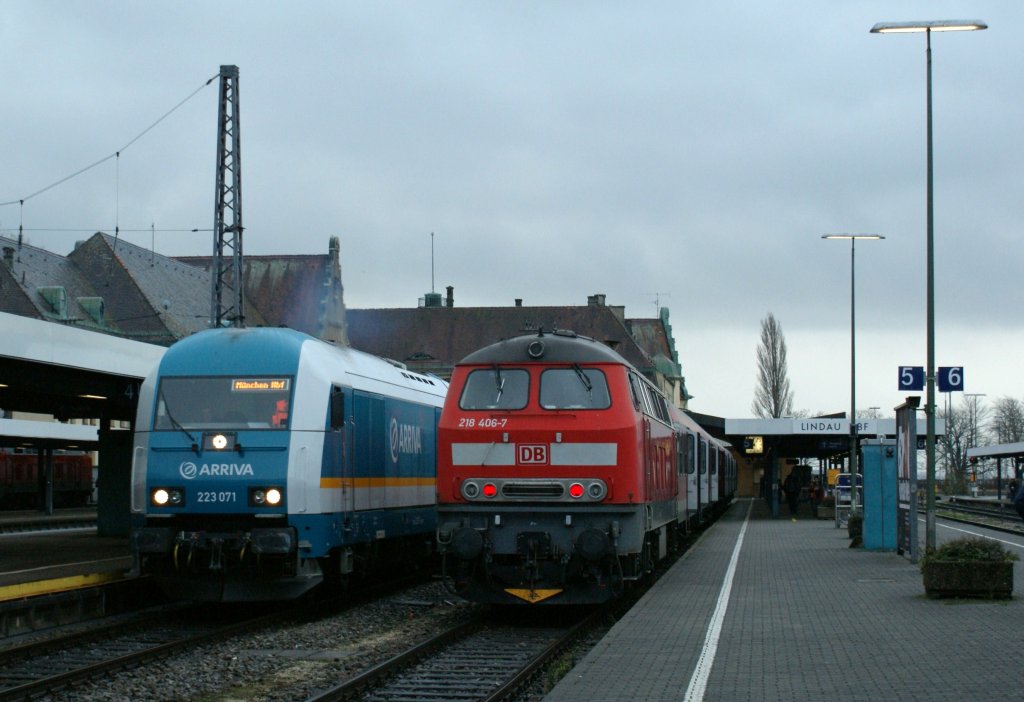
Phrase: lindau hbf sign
(819, 426)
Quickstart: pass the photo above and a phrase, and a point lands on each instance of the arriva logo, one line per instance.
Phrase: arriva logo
(190, 470)
(405, 438)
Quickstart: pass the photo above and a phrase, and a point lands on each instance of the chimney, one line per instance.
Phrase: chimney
(596, 300)
(519, 302)
(450, 300)
(9, 256)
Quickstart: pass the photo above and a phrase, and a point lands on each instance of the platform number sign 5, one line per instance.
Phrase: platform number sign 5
(951, 379)
(911, 378)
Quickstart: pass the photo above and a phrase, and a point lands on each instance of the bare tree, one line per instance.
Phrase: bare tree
(977, 418)
(964, 430)
(772, 397)
(952, 450)
(1007, 425)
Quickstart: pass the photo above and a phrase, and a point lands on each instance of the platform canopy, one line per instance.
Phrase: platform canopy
(1015, 450)
(808, 437)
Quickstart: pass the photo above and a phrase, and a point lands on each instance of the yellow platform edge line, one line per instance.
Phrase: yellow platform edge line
(45, 587)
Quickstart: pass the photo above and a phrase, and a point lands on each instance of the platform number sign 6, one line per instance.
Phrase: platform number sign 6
(951, 379)
(911, 378)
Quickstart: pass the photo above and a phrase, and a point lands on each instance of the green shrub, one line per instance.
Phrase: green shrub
(970, 549)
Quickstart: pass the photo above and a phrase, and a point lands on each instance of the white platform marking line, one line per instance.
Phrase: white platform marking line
(699, 681)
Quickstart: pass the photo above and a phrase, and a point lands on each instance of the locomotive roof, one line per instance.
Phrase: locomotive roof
(559, 346)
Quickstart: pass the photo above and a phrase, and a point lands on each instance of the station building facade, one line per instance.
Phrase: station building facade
(111, 286)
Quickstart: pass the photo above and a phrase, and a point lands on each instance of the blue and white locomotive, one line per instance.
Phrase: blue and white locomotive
(267, 462)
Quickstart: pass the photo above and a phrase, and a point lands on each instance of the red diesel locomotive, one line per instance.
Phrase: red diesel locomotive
(560, 473)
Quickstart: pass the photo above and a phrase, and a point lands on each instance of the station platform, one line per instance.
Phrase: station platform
(772, 609)
(46, 562)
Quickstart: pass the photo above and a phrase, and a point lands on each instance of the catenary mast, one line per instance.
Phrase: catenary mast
(227, 303)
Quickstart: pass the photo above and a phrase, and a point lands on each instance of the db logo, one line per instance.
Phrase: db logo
(532, 454)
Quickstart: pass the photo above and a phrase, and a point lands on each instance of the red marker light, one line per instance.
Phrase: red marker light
(576, 491)
(490, 490)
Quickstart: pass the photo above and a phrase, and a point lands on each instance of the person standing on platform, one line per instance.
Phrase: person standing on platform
(1018, 500)
(792, 489)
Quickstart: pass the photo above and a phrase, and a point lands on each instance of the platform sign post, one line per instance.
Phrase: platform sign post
(906, 479)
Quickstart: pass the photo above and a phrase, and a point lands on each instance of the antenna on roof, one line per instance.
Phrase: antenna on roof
(657, 301)
(432, 262)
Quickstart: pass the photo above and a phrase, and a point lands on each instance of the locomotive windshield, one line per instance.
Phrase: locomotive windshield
(496, 388)
(574, 388)
(223, 403)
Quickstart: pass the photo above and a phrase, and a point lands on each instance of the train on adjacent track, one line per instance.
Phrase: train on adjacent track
(267, 462)
(564, 474)
(21, 479)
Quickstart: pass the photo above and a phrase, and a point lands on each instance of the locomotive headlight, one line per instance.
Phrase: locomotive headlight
(470, 490)
(597, 490)
(265, 496)
(168, 497)
(220, 441)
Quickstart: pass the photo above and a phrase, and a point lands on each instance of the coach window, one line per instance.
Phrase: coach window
(691, 454)
(496, 388)
(702, 457)
(574, 388)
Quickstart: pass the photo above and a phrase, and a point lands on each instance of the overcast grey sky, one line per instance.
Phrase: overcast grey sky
(690, 154)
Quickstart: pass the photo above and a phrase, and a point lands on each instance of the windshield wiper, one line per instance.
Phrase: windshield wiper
(176, 424)
(583, 378)
(499, 383)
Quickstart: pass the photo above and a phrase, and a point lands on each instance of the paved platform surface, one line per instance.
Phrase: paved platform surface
(806, 618)
(43, 556)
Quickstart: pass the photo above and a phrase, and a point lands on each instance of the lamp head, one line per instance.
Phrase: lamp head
(934, 26)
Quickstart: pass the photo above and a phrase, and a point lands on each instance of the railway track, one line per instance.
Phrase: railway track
(1004, 519)
(32, 670)
(477, 660)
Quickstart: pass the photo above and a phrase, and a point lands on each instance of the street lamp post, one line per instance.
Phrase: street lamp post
(853, 358)
(929, 408)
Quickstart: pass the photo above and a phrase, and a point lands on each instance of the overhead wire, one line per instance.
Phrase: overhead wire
(116, 154)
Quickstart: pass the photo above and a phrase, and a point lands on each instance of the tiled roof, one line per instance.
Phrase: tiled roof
(29, 275)
(302, 292)
(288, 291)
(435, 338)
(154, 298)
(149, 296)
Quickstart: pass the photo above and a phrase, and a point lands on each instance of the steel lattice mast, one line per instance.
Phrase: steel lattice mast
(227, 309)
